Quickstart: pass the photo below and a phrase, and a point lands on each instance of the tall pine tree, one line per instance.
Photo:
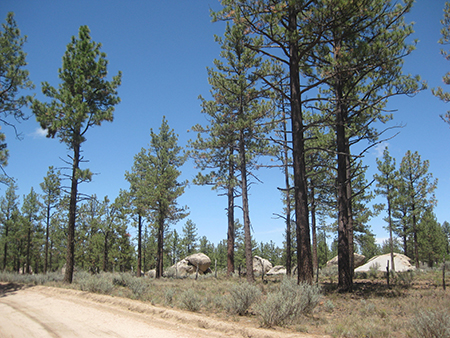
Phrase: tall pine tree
(418, 186)
(84, 99)
(164, 157)
(239, 121)
(13, 78)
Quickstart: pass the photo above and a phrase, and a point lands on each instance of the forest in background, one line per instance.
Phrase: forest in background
(248, 117)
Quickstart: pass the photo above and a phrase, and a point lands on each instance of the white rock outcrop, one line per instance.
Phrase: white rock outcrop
(188, 266)
(260, 265)
(200, 259)
(401, 262)
(276, 270)
(358, 260)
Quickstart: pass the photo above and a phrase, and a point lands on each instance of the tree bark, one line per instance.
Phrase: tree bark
(28, 258)
(160, 254)
(344, 265)
(304, 258)
(391, 239)
(46, 238)
(105, 252)
(245, 209)
(230, 215)
(288, 199)
(139, 262)
(5, 247)
(70, 258)
(314, 231)
(416, 243)
(350, 225)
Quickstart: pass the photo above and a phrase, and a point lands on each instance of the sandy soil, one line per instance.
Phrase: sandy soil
(40, 311)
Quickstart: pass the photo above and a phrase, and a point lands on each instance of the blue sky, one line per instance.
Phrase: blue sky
(163, 49)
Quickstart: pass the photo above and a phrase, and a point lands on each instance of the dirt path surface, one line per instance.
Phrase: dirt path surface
(40, 311)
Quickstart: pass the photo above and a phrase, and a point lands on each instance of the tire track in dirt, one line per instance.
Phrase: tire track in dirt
(40, 311)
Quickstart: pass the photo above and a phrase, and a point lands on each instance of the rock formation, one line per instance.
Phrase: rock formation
(259, 264)
(358, 260)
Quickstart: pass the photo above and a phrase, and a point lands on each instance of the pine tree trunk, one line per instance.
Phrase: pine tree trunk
(105, 252)
(416, 243)
(46, 239)
(230, 215)
(245, 210)
(314, 231)
(5, 247)
(405, 237)
(391, 239)
(349, 210)
(139, 262)
(288, 199)
(304, 257)
(28, 258)
(344, 266)
(70, 258)
(160, 254)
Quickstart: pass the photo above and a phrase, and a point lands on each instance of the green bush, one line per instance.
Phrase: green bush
(137, 285)
(122, 279)
(241, 297)
(373, 271)
(286, 305)
(432, 324)
(168, 296)
(101, 283)
(189, 300)
(37, 279)
(405, 278)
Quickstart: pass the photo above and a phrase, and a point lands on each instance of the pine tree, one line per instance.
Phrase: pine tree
(52, 191)
(83, 100)
(323, 252)
(190, 237)
(361, 61)
(419, 187)
(239, 123)
(289, 30)
(31, 212)
(13, 78)
(174, 244)
(165, 158)
(446, 230)
(138, 196)
(9, 210)
(88, 237)
(445, 40)
(387, 183)
(431, 239)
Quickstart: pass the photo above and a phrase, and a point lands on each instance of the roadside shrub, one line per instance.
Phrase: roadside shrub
(287, 304)
(168, 296)
(405, 278)
(138, 286)
(373, 271)
(329, 306)
(241, 297)
(432, 324)
(329, 272)
(361, 275)
(122, 279)
(94, 283)
(189, 300)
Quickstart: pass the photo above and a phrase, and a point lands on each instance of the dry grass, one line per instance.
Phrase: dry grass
(371, 310)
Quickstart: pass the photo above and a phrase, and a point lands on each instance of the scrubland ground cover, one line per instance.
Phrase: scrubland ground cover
(415, 304)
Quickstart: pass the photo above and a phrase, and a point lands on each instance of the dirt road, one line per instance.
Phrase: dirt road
(40, 311)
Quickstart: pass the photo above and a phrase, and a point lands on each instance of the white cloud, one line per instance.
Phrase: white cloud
(39, 133)
(380, 240)
(379, 148)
